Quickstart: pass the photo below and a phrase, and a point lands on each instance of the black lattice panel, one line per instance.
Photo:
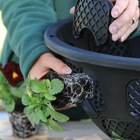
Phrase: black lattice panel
(126, 130)
(75, 69)
(97, 100)
(120, 49)
(94, 15)
(114, 48)
(133, 95)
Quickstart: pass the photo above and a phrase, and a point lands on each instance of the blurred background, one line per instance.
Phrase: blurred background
(2, 33)
(2, 37)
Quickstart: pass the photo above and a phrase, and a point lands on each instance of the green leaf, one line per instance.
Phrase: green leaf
(48, 84)
(36, 119)
(31, 107)
(45, 101)
(29, 92)
(28, 102)
(50, 106)
(45, 111)
(40, 114)
(10, 107)
(53, 125)
(36, 86)
(49, 97)
(31, 116)
(36, 98)
(44, 82)
(56, 86)
(41, 95)
(28, 80)
(25, 100)
(57, 116)
(43, 123)
(18, 92)
(2, 78)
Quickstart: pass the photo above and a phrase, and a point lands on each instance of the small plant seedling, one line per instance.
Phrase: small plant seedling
(38, 102)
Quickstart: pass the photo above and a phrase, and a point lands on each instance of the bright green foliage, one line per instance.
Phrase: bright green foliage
(9, 95)
(47, 83)
(57, 116)
(38, 102)
(31, 116)
(117, 137)
(49, 96)
(10, 106)
(19, 91)
(53, 125)
(40, 114)
(56, 86)
(36, 86)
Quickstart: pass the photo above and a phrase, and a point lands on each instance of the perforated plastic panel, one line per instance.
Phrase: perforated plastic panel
(115, 48)
(97, 100)
(128, 131)
(94, 15)
(133, 94)
(75, 69)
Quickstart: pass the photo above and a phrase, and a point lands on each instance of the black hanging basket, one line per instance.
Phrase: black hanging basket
(21, 126)
(84, 43)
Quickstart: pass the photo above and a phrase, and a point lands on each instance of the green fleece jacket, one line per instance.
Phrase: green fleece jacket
(26, 22)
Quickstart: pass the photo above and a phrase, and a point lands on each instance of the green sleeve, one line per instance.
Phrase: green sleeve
(137, 31)
(26, 22)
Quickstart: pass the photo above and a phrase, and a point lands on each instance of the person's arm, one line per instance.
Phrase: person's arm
(26, 22)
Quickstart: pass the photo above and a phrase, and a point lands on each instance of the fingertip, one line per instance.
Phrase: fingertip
(115, 13)
(122, 39)
(72, 10)
(66, 70)
(59, 66)
(119, 8)
(113, 29)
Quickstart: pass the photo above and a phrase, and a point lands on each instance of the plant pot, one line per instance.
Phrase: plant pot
(115, 71)
(21, 126)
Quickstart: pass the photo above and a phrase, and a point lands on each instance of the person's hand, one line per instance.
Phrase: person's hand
(43, 65)
(46, 62)
(127, 14)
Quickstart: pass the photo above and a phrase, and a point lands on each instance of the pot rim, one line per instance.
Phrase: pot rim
(59, 47)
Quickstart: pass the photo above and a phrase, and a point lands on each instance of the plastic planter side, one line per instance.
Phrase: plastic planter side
(116, 102)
